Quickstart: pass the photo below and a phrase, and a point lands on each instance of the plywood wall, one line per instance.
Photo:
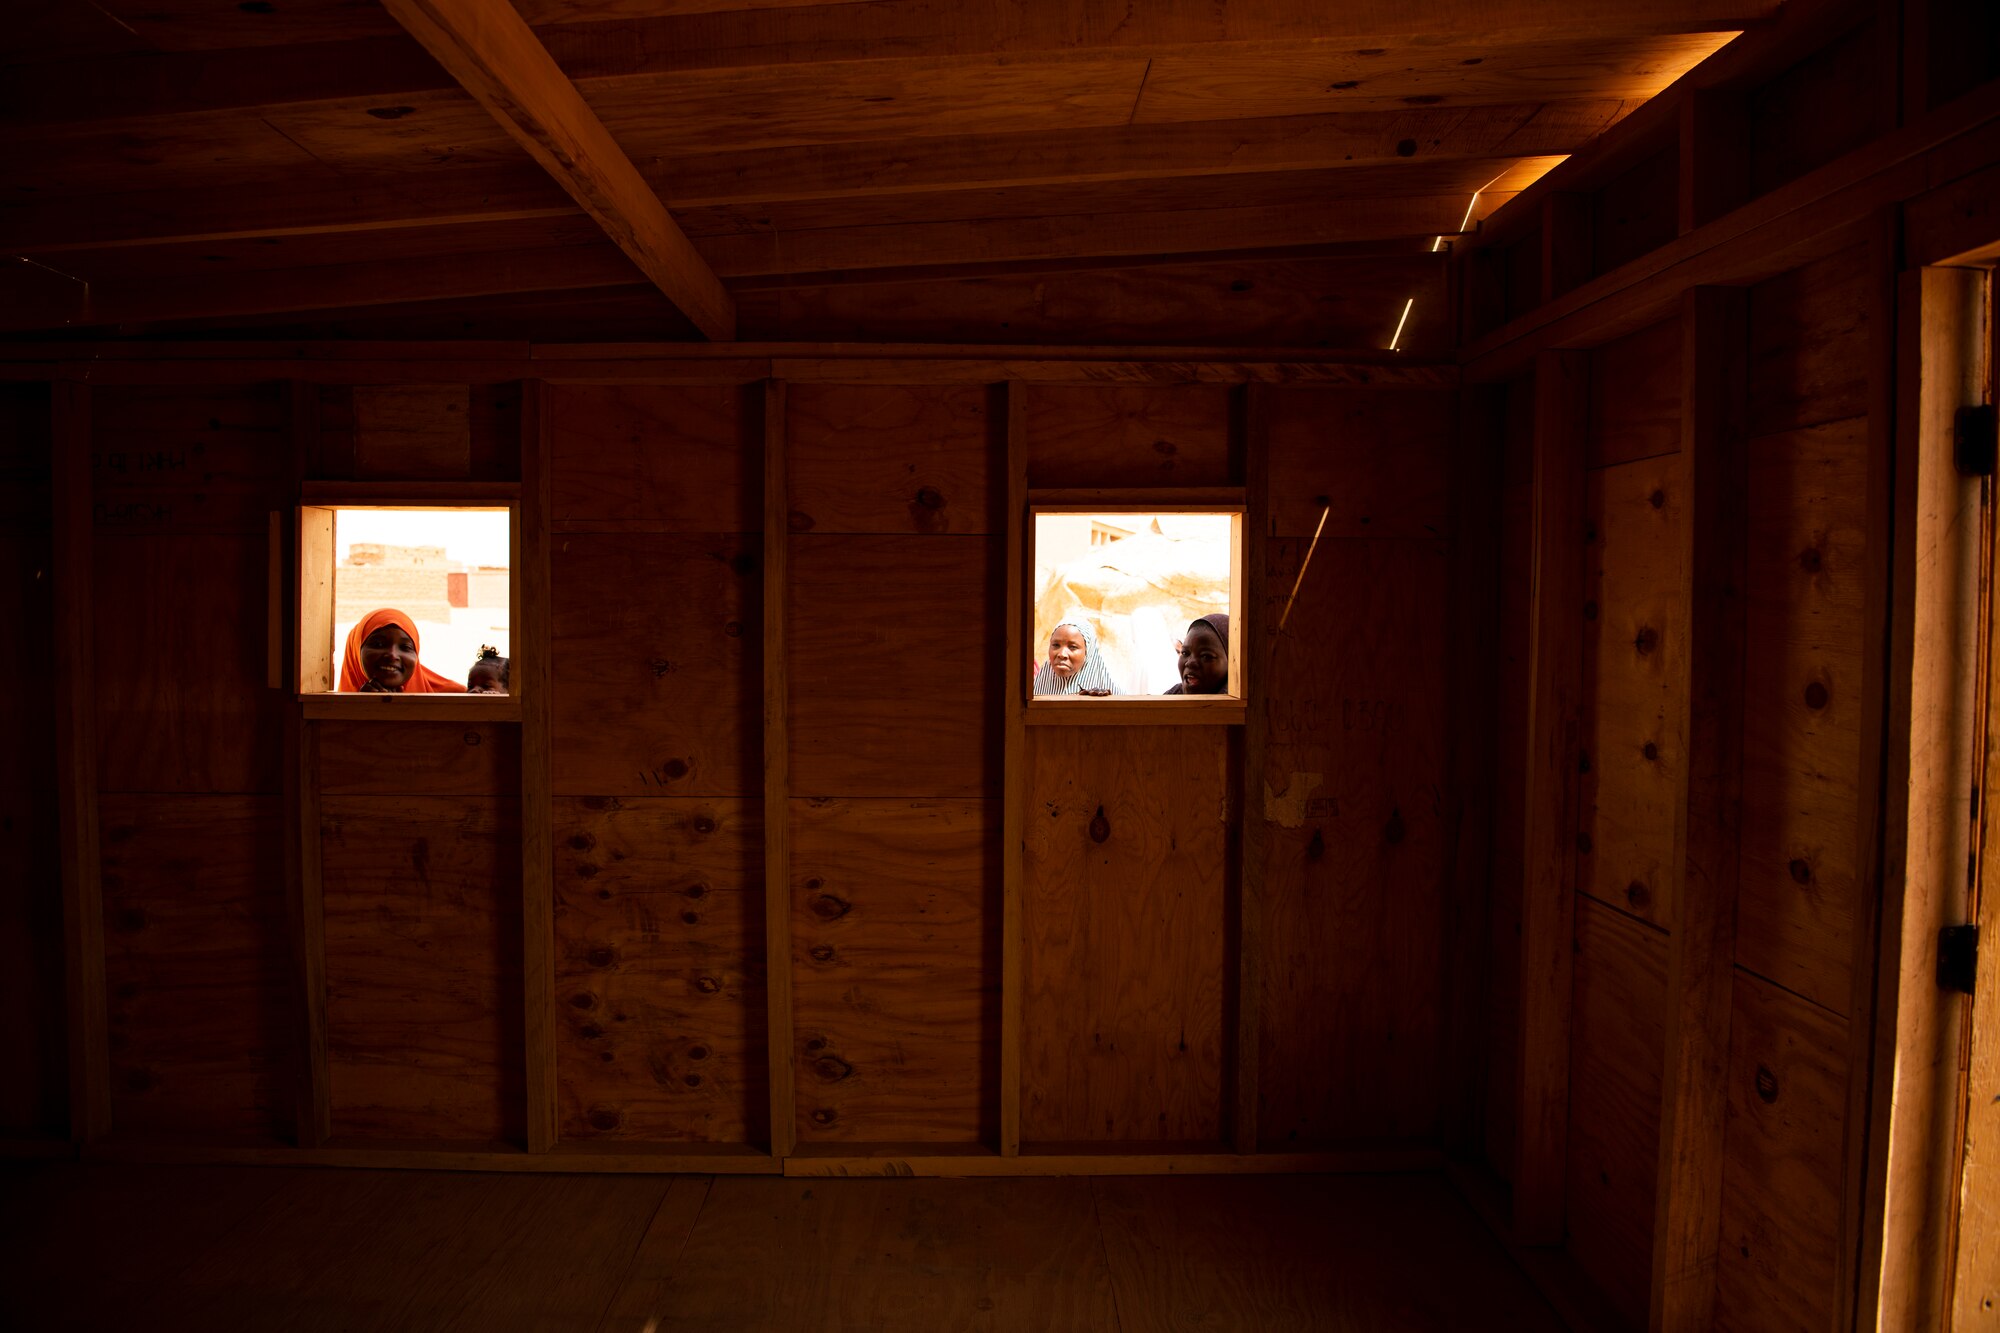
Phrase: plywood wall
(659, 1022)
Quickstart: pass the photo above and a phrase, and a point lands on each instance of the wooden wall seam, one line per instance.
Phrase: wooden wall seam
(537, 682)
(305, 914)
(1014, 773)
(1252, 840)
(1548, 893)
(1708, 815)
(777, 777)
(76, 766)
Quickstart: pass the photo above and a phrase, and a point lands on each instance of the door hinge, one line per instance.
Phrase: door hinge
(1958, 957)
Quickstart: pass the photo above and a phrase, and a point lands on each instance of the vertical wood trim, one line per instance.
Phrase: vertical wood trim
(1860, 1228)
(1255, 643)
(305, 915)
(777, 775)
(1567, 244)
(533, 652)
(1927, 829)
(1714, 152)
(1475, 623)
(1548, 878)
(1014, 774)
(76, 768)
(1708, 818)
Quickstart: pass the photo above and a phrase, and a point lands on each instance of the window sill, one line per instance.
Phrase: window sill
(1218, 710)
(412, 707)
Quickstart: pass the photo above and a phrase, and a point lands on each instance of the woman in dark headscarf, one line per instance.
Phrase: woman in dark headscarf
(1074, 665)
(381, 658)
(1205, 656)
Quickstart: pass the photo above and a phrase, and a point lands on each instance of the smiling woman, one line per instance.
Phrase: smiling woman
(382, 658)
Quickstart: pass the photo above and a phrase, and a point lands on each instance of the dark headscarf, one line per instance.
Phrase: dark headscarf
(1219, 622)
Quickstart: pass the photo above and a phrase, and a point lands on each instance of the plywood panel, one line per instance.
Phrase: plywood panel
(656, 659)
(423, 966)
(1635, 716)
(895, 666)
(378, 758)
(1803, 685)
(412, 430)
(1637, 211)
(1128, 435)
(660, 969)
(208, 458)
(198, 964)
(1352, 907)
(1617, 1055)
(1783, 1163)
(33, 1097)
(1824, 106)
(1635, 396)
(666, 458)
(1809, 344)
(1380, 460)
(1502, 1073)
(895, 941)
(890, 458)
(1123, 921)
(181, 650)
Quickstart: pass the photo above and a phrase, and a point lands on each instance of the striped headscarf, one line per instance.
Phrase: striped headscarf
(1092, 675)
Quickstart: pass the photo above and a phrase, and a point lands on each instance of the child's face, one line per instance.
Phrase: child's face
(1204, 660)
(389, 658)
(1066, 651)
(485, 678)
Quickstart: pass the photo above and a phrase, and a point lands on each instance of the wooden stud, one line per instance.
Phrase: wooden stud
(1714, 156)
(76, 768)
(1247, 627)
(1548, 879)
(535, 684)
(1567, 238)
(1014, 774)
(308, 606)
(1475, 619)
(1913, 1123)
(1702, 950)
(777, 775)
(496, 57)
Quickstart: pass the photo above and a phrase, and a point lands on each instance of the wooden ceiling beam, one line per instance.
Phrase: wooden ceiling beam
(495, 57)
(317, 204)
(889, 32)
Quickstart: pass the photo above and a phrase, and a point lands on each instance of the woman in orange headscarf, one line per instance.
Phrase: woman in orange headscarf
(381, 658)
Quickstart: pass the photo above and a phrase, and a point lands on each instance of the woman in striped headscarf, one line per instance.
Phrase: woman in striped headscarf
(1074, 665)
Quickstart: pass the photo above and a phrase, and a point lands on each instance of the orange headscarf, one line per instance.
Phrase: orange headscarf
(422, 681)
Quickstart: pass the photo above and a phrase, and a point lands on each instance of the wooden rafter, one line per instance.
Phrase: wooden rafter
(497, 58)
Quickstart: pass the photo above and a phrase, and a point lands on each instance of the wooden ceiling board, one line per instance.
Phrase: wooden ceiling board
(208, 25)
(1106, 234)
(63, 30)
(1221, 86)
(408, 134)
(1300, 189)
(733, 109)
(185, 153)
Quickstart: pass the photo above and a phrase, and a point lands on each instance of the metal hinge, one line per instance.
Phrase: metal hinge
(1958, 957)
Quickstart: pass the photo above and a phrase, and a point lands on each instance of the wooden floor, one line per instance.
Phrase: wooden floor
(100, 1246)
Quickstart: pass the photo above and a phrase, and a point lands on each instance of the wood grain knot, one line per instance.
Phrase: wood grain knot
(696, 891)
(1817, 696)
(703, 824)
(1658, 499)
(1638, 895)
(583, 999)
(799, 522)
(823, 1115)
(743, 563)
(1801, 870)
(604, 1118)
(822, 953)
(691, 918)
(602, 956)
(1646, 640)
(1394, 832)
(1583, 761)
(829, 908)
(585, 870)
(697, 1052)
(1316, 849)
(830, 1068)
(674, 768)
(1811, 561)
(929, 498)
(1583, 843)
(583, 842)
(1650, 750)
(660, 666)
(707, 985)
(733, 629)
(473, 738)
(1767, 1084)
(1100, 827)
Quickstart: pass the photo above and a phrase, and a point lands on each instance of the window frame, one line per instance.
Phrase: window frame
(1228, 709)
(314, 654)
